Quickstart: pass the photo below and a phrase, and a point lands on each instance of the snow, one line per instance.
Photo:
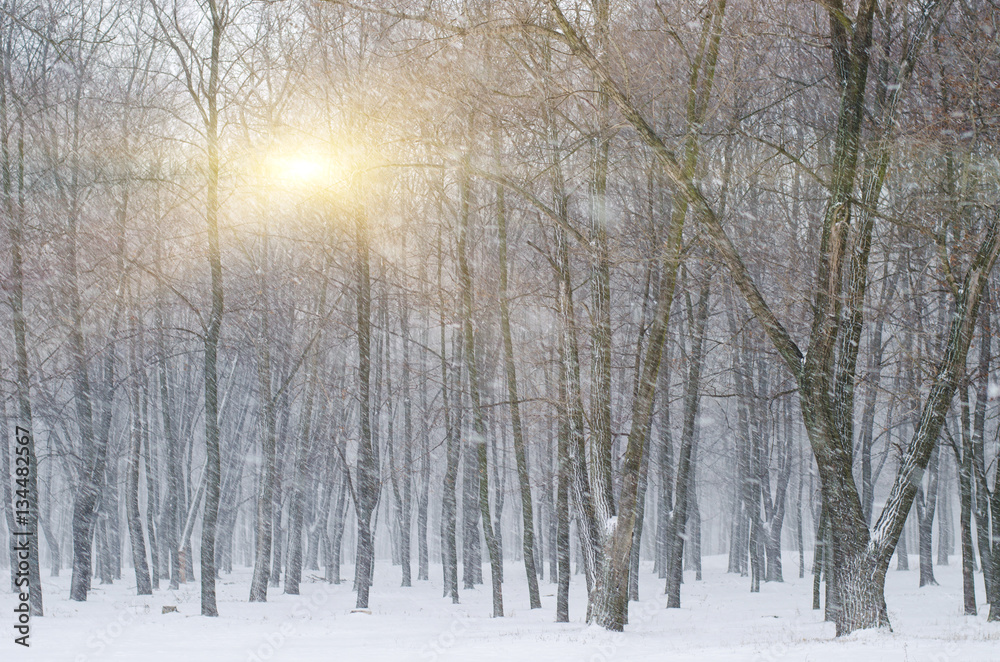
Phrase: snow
(720, 621)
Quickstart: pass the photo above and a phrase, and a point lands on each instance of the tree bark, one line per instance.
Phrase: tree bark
(143, 583)
(268, 438)
(523, 477)
(14, 208)
(479, 423)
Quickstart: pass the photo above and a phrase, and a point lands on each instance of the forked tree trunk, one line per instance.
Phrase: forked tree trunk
(825, 388)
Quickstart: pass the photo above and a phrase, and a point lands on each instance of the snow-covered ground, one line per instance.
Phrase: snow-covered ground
(720, 621)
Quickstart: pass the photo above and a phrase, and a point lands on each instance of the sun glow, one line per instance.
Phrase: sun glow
(300, 170)
(328, 170)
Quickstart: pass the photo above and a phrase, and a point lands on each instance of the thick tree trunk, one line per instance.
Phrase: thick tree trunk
(213, 468)
(826, 391)
(366, 487)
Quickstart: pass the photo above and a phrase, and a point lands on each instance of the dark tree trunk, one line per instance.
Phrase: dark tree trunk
(423, 491)
(143, 583)
(819, 558)
(303, 451)
(265, 393)
(472, 568)
(902, 553)
(449, 506)
(479, 423)
(152, 493)
(213, 461)
(523, 476)
(946, 544)
(406, 513)
(926, 503)
(564, 469)
(697, 324)
(963, 462)
(14, 208)
(366, 487)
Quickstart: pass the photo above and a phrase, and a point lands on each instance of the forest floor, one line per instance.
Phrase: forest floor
(720, 621)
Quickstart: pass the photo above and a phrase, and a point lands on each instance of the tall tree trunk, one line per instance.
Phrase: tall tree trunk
(902, 554)
(268, 437)
(963, 462)
(14, 208)
(564, 470)
(945, 525)
(982, 504)
(926, 503)
(303, 452)
(472, 370)
(423, 491)
(697, 324)
(366, 488)
(449, 506)
(213, 468)
(523, 476)
(406, 514)
(143, 583)
(635, 553)
(825, 376)
(152, 492)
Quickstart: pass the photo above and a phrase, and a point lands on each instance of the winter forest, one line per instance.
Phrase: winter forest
(439, 329)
